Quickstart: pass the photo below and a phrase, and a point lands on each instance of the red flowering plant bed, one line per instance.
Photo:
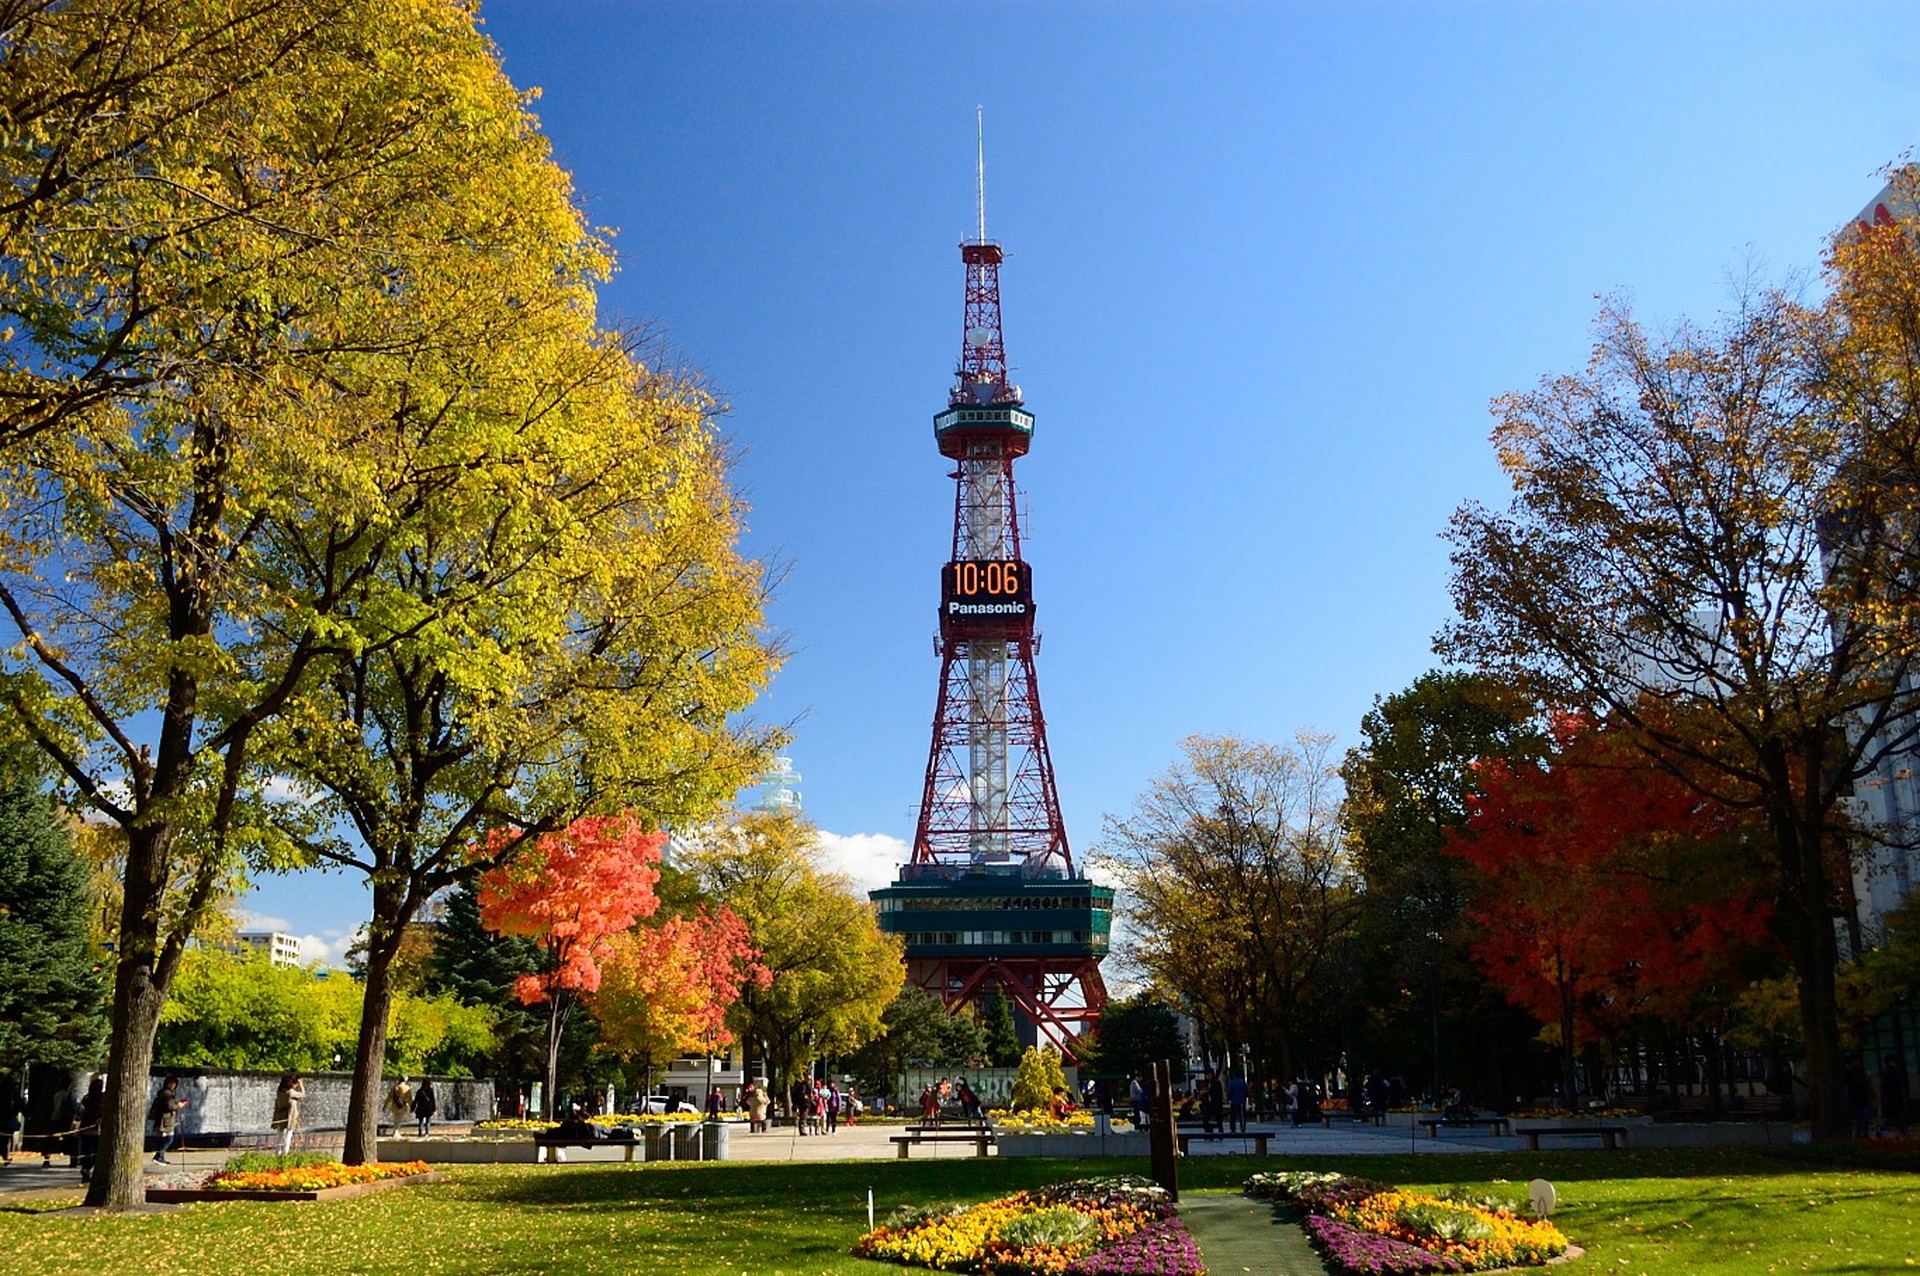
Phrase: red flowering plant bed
(1120, 1226)
(328, 1181)
(1369, 1228)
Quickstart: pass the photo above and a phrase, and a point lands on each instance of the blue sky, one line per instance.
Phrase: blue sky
(1267, 263)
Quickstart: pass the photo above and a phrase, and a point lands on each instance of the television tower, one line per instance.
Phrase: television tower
(990, 898)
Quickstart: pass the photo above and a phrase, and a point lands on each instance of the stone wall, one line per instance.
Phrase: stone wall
(224, 1103)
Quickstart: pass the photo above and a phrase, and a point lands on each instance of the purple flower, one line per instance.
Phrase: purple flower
(1163, 1248)
(1365, 1253)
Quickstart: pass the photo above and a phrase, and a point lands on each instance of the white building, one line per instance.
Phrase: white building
(281, 950)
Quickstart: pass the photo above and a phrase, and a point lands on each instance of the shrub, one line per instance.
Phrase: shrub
(269, 1162)
(1038, 1074)
(1056, 1225)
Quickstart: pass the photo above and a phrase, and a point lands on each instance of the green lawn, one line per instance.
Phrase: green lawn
(1692, 1212)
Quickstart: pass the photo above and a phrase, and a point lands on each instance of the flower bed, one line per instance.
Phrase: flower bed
(1369, 1227)
(606, 1121)
(1119, 1226)
(301, 1183)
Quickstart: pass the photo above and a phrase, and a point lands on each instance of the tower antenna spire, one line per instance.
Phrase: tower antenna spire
(980, 166)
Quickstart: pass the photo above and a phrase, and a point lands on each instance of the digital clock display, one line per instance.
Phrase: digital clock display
(985, 593)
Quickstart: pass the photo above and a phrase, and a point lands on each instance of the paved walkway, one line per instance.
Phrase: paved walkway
(1238, 1234)
(865, 1141)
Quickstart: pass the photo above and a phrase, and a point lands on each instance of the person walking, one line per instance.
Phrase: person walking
(286, 1109)
(399, 1104)
(165, 1112)
(756, 1109)
(1137, 1095)
(86, 1130)
(1213, 1103)
(424, 1106)
(1895, 1095)
(714, 1101)
(10, 1103)
(1236, 1104)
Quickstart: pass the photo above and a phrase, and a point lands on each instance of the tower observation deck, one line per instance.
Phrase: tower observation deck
(990, 898)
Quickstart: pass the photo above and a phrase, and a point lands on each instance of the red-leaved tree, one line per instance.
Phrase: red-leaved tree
(1608, 890)
(666, 989)
(572, 892)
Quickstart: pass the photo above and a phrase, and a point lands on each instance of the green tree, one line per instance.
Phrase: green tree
(834, 970)
(1137, 1032)
(476, 967)
(918, 1033)
(1003, 1038)
(1035, 1080)
(1705, 544)
(1407, 786)
(52, 996)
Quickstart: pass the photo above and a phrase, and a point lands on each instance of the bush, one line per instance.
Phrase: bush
(267, 1162)
(1038, 1074)
(1057, 1225)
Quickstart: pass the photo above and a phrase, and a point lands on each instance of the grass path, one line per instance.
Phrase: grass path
(1659, 1212)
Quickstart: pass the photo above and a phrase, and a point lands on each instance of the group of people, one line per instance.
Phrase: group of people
(938, 1096)
(404, 1100)
(1895, 1097)
(818, 1106)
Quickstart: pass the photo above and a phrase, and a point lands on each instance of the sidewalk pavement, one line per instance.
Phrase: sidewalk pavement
(862, 1142)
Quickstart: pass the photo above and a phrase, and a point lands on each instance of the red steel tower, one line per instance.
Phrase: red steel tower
(990, 898)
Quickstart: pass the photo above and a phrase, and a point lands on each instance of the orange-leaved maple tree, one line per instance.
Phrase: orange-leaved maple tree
(1607, 889)
(666, 989)
(571, 892)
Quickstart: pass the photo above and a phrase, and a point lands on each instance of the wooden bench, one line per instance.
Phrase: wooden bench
(1258, 1137)
(1372, 1116)
(1494, 1124)
(979, 1138)
(553, 1146)
(1612, 1136)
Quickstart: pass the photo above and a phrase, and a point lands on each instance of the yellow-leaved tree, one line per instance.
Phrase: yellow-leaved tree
(300, 359)
(833, 971)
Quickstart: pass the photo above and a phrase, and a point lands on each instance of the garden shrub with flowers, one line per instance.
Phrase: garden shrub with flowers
(604, 1121)
(1369, 1227)
(1038, 1122)
(1115, 1226)
(312, 1178)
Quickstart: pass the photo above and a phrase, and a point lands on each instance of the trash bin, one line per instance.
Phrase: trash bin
(714, 1136)
(656, 1136)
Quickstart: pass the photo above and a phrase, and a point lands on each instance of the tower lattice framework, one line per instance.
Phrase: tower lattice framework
(991, 898)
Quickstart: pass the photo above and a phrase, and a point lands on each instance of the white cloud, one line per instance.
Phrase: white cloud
(329, 948)
(870, 860)
(250, 920)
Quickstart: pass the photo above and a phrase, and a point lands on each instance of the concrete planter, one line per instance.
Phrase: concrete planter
(1071, 1145)
(505, 1151)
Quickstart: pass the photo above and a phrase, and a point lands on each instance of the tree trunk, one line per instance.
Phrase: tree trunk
(393, 909)
(1807, 915)
(556, 1027)
(139, 991)
(117, 1182)
(369, 1057)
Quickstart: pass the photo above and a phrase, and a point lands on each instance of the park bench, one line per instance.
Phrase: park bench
(552, 1145)
(1372, 1116)
(1257, 1137)
(1611, 1136)
(980, 1135)
(1494, 1124)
